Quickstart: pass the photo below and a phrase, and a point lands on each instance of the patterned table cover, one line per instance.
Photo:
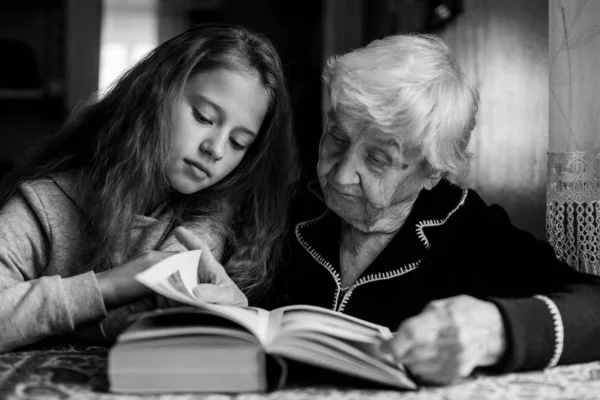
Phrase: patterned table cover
(72, 371)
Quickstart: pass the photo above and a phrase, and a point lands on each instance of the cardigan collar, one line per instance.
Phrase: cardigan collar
(424, 225)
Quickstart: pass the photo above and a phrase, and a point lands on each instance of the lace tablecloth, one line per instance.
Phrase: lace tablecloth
(79, 372)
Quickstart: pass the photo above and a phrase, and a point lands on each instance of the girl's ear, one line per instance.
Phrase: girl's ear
(432, 180)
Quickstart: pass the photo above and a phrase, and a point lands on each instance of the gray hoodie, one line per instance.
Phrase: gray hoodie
(45, 287)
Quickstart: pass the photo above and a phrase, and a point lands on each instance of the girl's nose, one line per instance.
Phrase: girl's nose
(214, 147)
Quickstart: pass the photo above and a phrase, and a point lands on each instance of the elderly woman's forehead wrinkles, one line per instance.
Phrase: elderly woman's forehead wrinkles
(386, 139)
(347, 119)
(402, 138)
(343, 113)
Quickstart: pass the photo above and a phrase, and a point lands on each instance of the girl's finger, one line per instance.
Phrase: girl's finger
(213, 293)
(209, 269)
(188, 239)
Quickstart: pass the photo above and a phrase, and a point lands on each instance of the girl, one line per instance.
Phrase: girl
(197, 134)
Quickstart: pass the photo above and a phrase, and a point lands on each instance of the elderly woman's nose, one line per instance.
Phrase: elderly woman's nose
(346, 170)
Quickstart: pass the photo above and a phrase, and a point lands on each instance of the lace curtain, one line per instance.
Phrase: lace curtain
(573, 185)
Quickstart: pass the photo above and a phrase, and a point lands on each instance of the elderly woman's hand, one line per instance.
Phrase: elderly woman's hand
(215, 285)
(449, 339)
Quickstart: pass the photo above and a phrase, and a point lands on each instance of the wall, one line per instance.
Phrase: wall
(343, 29)
(64, 37)
(503, 49)
(83, 49)
(32, 83)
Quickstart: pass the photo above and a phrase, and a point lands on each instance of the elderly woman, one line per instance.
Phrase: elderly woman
(387, 235)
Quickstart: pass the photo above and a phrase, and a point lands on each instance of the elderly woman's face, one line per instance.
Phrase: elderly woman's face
(365, 175)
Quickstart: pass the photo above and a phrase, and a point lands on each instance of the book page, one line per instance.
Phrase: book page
(336, 341)
(353, 358)
(346, 357)
(184, 321)
(176, 276)
(330, 323)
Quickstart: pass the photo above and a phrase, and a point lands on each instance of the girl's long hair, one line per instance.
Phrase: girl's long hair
(121, 143)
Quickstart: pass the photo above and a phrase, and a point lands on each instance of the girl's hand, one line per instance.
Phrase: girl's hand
(215, 285)
(118, 285)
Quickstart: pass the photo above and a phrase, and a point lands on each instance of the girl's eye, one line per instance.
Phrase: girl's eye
(236, 145)
(201, 118)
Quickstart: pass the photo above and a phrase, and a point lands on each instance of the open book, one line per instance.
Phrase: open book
(209, 347)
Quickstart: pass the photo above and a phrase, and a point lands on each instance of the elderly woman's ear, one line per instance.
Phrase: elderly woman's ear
(432, 180)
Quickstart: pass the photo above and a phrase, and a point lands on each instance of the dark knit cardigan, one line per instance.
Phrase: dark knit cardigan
(452, 243)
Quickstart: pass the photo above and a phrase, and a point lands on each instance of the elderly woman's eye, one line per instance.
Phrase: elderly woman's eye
(376, 159)
(336, 138)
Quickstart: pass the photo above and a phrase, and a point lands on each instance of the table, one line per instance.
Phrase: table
(75, 371)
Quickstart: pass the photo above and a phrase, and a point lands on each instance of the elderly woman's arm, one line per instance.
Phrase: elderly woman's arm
(550, 311)
(551, 328)
(532, 311)
(555, 318)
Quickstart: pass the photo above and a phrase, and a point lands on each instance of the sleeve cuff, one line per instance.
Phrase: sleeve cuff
(534, 334)
(559, 330)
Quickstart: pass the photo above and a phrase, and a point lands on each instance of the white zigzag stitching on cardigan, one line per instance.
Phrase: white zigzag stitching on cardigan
(378, 277)
(317, 257)
(313, 191)
(437, 222)
(559, 330)
(373, 277)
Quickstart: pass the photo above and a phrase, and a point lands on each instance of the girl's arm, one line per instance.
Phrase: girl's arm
(119, 318)
(32, 306)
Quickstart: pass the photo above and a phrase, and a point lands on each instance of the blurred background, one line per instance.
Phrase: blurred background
(56, 53)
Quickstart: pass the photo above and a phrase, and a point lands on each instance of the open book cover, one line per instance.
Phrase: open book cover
(217, 348)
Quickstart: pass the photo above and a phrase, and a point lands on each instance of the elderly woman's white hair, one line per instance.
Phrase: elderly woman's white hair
(409, 85)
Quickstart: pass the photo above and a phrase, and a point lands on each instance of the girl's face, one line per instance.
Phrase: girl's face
(216, 119)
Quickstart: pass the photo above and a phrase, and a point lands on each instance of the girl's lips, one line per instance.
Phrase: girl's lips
(199, 166)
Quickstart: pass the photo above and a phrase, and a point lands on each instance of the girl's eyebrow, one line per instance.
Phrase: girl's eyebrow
(200, 98)
(221, 112)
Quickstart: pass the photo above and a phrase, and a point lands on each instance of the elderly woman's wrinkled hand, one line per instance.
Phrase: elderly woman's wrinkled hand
(215, 285)
(449, 339)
